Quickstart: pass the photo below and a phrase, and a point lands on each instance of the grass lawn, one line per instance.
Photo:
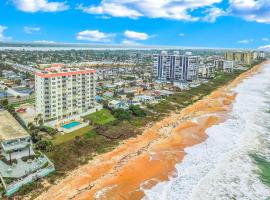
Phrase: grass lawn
(101, 117)
(27, 101)
(59, 139)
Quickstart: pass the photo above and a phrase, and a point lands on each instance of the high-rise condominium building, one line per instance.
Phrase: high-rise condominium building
(64, 92)
(241, 57)
(175, 67)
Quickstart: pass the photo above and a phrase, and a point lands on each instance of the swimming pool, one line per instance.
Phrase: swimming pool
(71, 125)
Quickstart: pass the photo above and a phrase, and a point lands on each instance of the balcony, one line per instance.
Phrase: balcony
(19, 144)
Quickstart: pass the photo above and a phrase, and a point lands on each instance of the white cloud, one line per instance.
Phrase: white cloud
(44, 41)
(265, 47)
(95, 36)
(111, 9)
(251, 10)
(33, 6)
(29, 30)
(247, 41)
(130, 42)
(181, 34)
(265, 39)
(213, 13)
(170, 9)
(2, 36)
(136, 35)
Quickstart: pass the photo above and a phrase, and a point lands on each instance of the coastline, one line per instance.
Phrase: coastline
(150, 157)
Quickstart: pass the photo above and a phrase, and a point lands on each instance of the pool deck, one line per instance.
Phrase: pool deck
(74, 128)
(71, 124)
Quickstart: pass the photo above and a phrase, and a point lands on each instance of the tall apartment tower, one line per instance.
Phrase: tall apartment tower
(241, 57)
(175, 67)
(64, 92)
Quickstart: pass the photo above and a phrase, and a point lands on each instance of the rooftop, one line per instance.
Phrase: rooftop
(59, 71)
(10, 128)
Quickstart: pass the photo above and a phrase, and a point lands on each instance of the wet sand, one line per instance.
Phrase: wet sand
(143, 161)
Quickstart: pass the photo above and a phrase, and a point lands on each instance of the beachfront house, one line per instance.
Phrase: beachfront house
(145, 98)
(19, 164)
(115, 104)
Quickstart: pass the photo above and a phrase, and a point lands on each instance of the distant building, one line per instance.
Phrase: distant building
(207, 71)
(108, 94)
(11, 75)
(219, 64)
(224, 65)
(65, 92)
(175, 67)
(115, 104)
(261, 54)
(228, 66)
(246, 57)
(145, 98)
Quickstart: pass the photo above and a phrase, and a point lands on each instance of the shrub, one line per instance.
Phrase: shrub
(49, 130)
(4, 102)
(121, 114)
(137, 111)
(44, 145)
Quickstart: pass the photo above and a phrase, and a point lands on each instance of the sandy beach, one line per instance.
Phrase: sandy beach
(149, 158)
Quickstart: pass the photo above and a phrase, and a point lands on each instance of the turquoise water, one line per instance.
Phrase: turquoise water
(71, 125)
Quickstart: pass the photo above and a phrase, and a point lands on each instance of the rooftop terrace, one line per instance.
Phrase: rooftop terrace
(59, 71)
(10, 129)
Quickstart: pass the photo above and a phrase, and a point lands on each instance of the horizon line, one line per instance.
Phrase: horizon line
(115, 46)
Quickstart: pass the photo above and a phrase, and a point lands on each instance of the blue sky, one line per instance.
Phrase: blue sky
(194, 23)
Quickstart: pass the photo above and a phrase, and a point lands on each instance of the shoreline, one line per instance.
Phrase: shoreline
(121, 172)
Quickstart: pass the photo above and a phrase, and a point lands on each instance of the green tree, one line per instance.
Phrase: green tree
(34, 133)
(19, 98)
(36, 120)
(18, 81)
(30, 126)
(4, 102)
(6, 94)
(137, 111)
(121, 114)
(130, 95)
(10, 153)
(44, 145)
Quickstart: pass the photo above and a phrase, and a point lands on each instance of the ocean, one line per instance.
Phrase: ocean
(234, 161)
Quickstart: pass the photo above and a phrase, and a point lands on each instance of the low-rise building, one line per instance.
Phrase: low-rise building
(19, 164)
(145, 98)
(115, 104)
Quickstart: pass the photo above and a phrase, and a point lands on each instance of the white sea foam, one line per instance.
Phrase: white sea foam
(221, 167)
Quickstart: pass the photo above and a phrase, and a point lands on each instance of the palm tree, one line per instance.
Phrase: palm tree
(6, 89)
(40, 122)
(36, 120)
(9, 152)
(39, 116)
(30, 125)
(19, 98)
